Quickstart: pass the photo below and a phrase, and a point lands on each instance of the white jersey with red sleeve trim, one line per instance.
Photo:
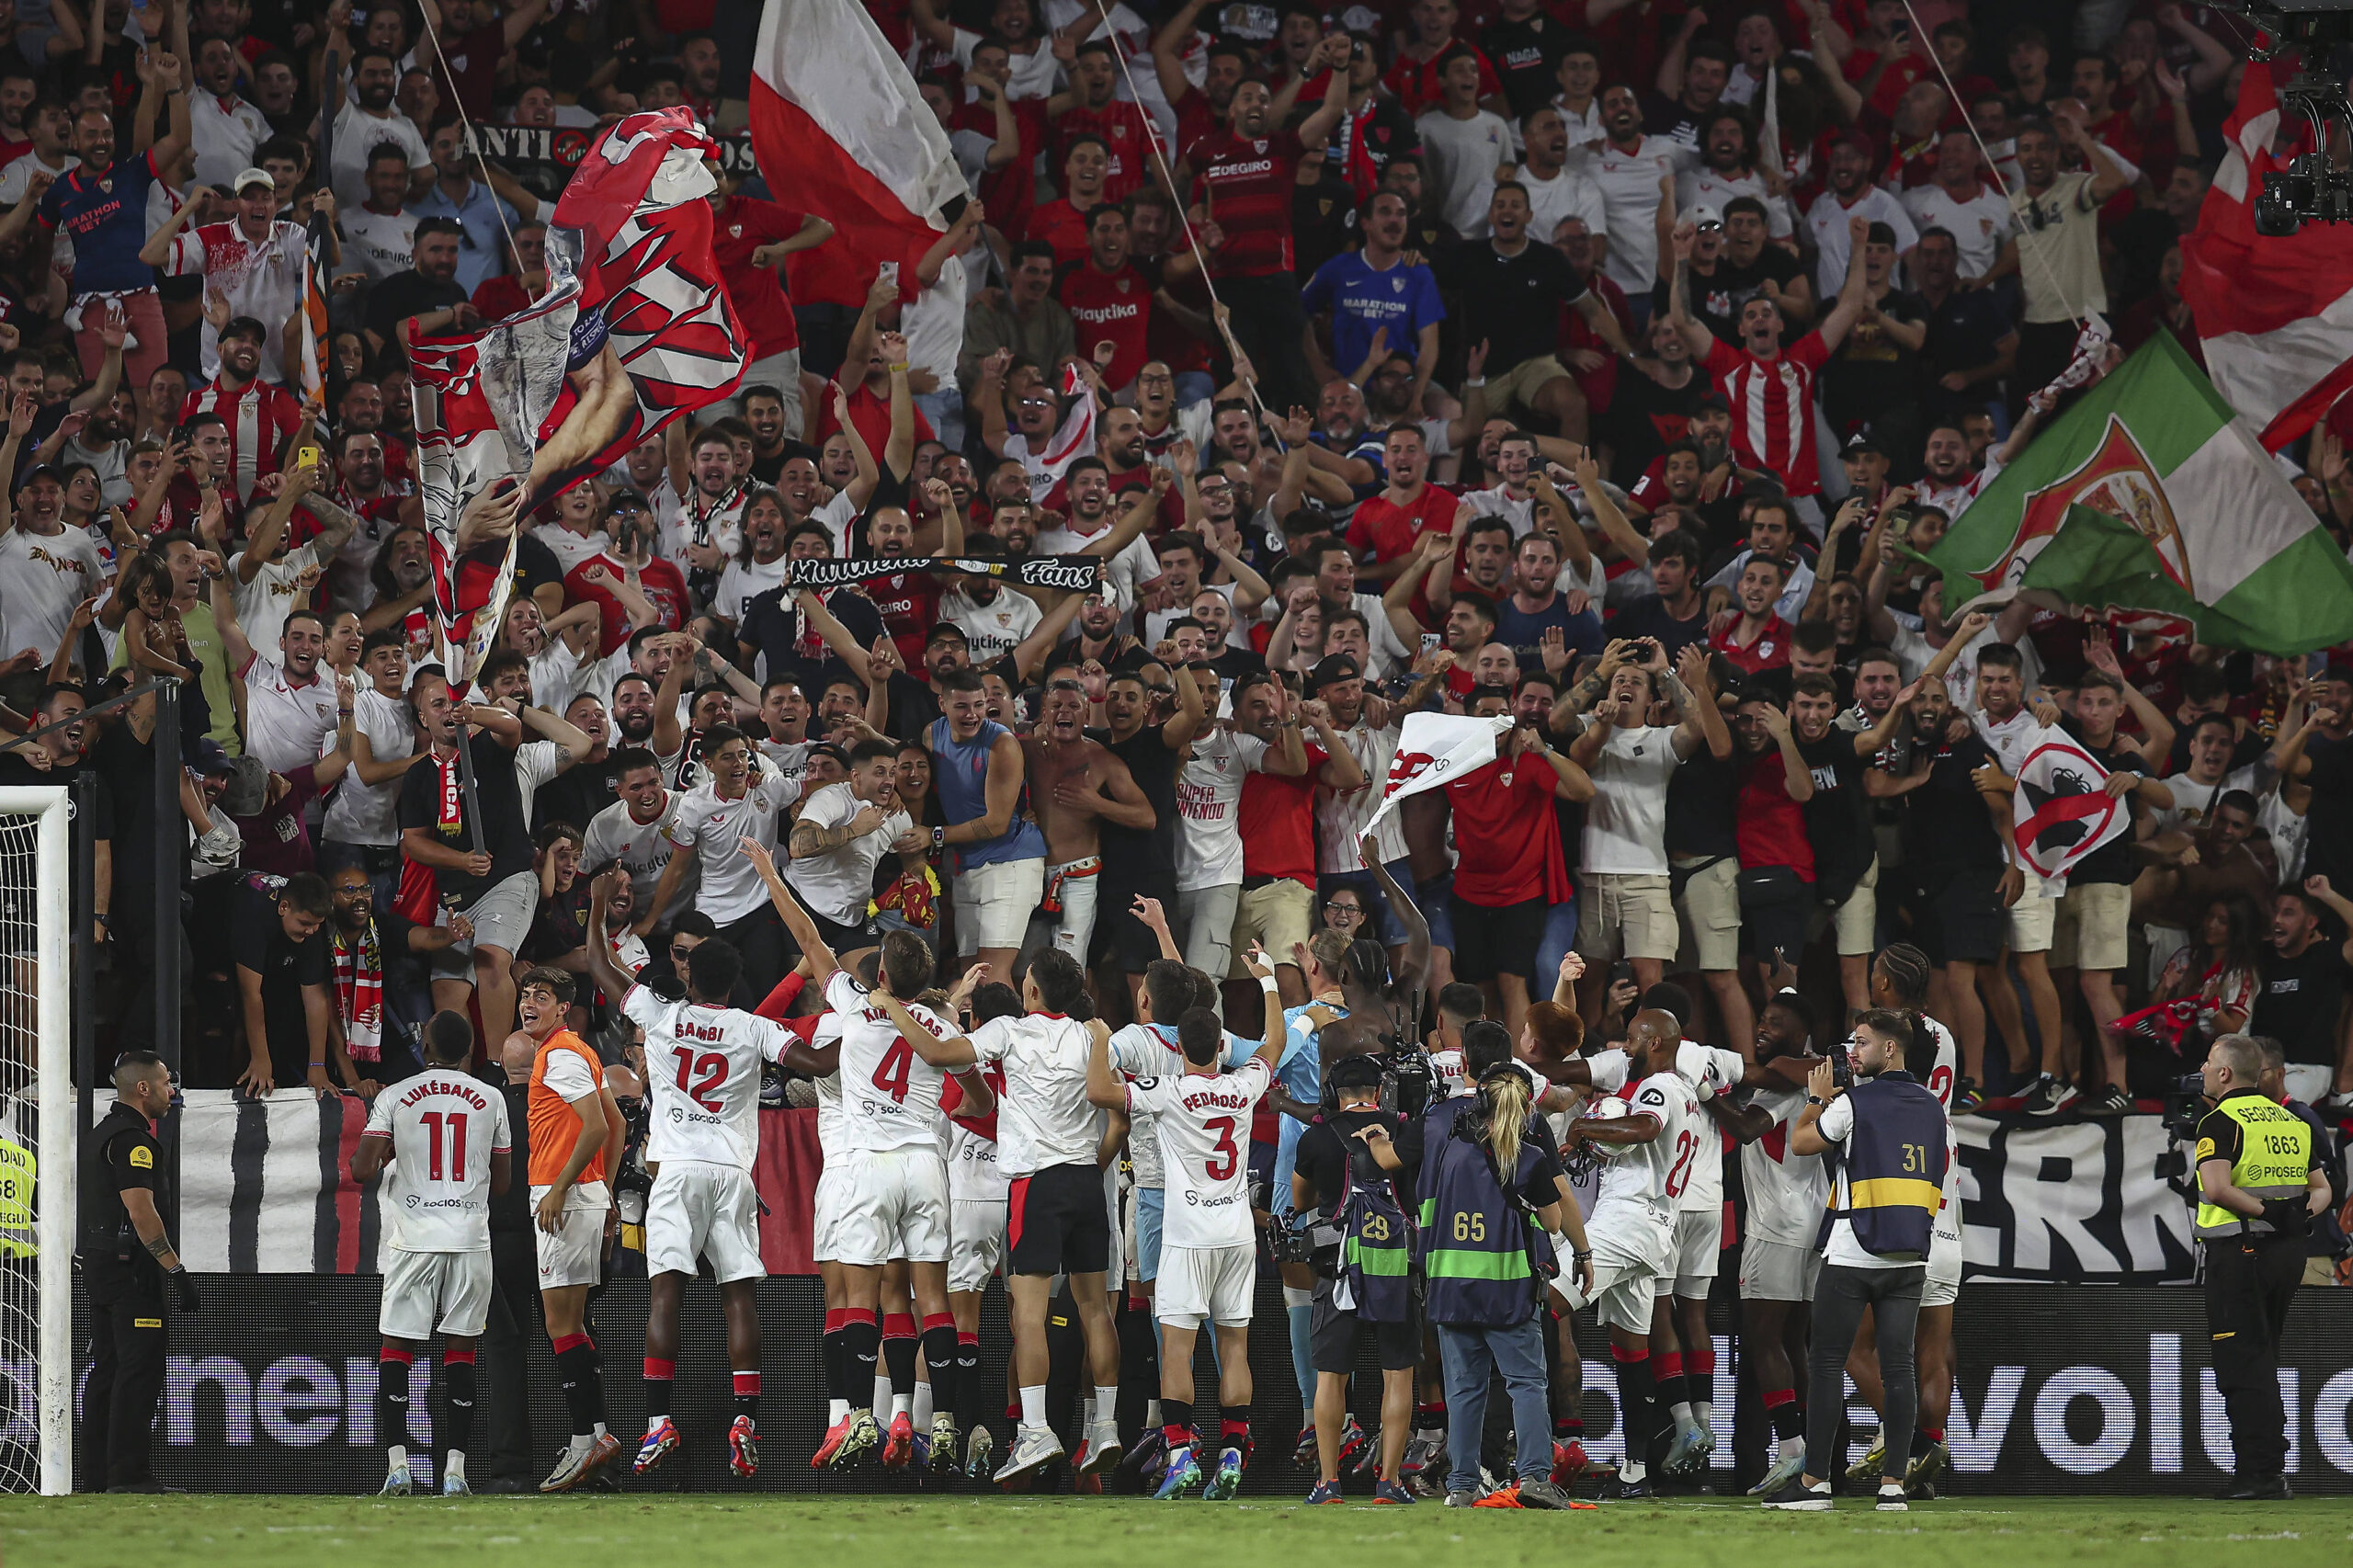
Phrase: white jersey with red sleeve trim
(1785, 1191)
(973, 1172)
(890, 1095)
(1642, 1183)
(1711, 1071)
(444, 1125)
(1202, 1120)
(702, 1077)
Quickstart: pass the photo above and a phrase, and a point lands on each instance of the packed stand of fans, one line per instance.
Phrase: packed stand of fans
(1515, 361)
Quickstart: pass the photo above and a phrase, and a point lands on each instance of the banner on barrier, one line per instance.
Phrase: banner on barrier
(2059, 1390)
(265, 1189)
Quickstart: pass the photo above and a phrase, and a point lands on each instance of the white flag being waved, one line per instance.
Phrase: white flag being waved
(2063, 810)
(1435, 749)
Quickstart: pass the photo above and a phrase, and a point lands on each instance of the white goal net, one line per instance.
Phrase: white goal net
(37, 1143)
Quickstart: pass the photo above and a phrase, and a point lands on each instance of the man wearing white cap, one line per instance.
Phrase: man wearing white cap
(254, 259)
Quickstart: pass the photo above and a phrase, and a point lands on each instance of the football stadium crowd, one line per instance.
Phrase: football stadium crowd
(1612, 372)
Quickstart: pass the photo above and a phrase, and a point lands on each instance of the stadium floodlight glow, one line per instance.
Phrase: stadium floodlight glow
(2311, 189)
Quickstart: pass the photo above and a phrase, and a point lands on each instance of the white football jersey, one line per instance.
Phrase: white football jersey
(702, 1077)
(830, 1144)
(1711, 1071)
(444, 1125)
(890, 1095)
(1202, 1120)
(1045, 1118)
(973, 1174)
(1785, 1191)
(1642, 1186)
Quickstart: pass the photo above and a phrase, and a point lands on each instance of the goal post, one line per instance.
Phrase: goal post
(39, 1209)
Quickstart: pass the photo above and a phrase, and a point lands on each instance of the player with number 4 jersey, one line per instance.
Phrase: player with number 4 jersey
(895, 1195)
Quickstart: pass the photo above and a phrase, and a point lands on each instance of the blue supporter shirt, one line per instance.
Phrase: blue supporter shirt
(1521, 632)
(1404, 299)
(106, 215)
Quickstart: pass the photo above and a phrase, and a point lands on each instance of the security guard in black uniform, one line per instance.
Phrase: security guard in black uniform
(2257, 1188)
(128, 1265)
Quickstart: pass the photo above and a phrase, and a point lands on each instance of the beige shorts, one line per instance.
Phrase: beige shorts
(1277, 916)
(2033, 915)
(1858, 918)
(1523, 381)
(1625, 915)
(994, 903)
(1709, 908)
(2093, 929)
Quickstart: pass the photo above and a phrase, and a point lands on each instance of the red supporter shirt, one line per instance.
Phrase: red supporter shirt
(1246, 184)
(1768, 826)
(1010, 193)
(1064, 227)
(474, 68)
(657, 580)
(909, 605)
(1121, 126)
(1418, 84)
(1391, 532)
(1772, 408)
(261, 419)
(1110, 305)
(742, 225)
(1770, 651)
(1507, 835)
(871, 414)
(1277, 819)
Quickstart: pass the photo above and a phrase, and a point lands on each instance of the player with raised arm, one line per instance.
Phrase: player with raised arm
(575, 1139)
(893, 1063)
(702, 1083)
(1209, 1260)
(1631, 1229)
(1050, 1146)
(444, 1135)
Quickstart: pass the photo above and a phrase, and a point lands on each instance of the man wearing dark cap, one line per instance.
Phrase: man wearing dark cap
(260, 418)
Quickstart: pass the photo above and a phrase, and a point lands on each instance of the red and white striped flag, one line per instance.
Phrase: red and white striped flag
(1435, 749)
(2275, 316)
(842, 132)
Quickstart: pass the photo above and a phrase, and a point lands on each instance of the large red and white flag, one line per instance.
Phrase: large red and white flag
(1433, 749)
(2275, 316)
(841, 131)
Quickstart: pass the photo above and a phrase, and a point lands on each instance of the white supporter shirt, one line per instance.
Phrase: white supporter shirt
(225, 132)
(367, 814)
(1625, 824)
(837, 883)
(1209, 795)
(264, 604)
(1203, 1123)
(712, 827)
(1340, 814)
(570, 549)
(995, 629)
(263, 279)
(1827, 218)
(742, 581)
(377, 244)
(284, 723)
(42, 578)
(19, 172)
(1568, 194)
(1044, 1119)
(1629, 180)
(1978, 225)
(1712, 187)
(357, 133)
(702, 1078)
(444, 1126)
(1785, 1191)
(643, 849)
(890, 1093)
(1461, 158)
(1954, 499)
(1134, 564)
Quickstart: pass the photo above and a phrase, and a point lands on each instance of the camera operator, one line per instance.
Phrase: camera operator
(2259, 1183)
(1490, 1174)
(1357, 1167)
(1888, 1143)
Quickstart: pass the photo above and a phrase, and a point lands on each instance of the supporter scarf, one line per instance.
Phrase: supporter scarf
(1078, 573)
(360, 993)
(451, 816)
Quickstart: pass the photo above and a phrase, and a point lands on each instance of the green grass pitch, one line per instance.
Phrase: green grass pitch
(987, 1532)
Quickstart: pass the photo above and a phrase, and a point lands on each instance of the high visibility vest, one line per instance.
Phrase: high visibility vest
(18, 1169)
(1479, 1258)
(2275, 1153)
